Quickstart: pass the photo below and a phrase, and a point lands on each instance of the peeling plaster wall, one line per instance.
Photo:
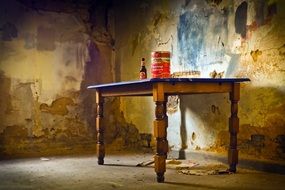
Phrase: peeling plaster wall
(50, 52)
(241, 38)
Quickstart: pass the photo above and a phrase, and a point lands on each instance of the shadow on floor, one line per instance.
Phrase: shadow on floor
(260, 165)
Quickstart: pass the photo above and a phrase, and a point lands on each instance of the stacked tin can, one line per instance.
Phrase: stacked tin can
(160, 64)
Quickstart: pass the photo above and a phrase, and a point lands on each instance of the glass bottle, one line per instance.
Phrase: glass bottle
(143, 72)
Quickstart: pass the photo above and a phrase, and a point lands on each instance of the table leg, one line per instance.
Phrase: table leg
(100, 128)
(234, 127)
(160, 133)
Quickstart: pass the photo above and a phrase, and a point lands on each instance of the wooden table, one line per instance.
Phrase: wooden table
(160, 89)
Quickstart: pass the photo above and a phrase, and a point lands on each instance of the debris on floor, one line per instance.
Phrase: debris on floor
(145, 163)
(189, 167)
(44, 159)
(180, 164)
(218, 169)
(173, 163)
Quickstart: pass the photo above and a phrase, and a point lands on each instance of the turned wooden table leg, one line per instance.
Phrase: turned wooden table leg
(100, 128)
(160, 133)
(234, 127)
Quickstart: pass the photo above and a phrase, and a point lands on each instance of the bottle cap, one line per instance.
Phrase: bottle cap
(142, 62)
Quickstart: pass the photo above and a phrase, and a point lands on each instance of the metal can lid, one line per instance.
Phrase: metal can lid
(159, 54)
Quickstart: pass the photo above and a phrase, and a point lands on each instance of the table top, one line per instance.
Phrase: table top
(171, 80)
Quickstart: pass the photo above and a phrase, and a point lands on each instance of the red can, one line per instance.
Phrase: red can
(160, 64)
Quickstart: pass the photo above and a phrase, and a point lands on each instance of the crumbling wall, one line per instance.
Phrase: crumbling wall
(50, 52)
(239, 38)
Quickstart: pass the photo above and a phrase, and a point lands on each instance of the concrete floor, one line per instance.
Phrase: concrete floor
(120, 172)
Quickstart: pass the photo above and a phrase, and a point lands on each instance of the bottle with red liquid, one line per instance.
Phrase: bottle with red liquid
(143, 72)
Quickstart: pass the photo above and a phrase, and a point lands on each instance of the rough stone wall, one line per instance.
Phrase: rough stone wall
(240, 38)
(50, 52)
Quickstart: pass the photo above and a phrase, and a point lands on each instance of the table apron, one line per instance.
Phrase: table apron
(167, 89)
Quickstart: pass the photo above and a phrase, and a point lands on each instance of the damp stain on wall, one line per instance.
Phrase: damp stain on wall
(240, 19)
(255, 54)
(59, 106)
(259, 16)
(202, 38)
(191, 34)
(264, 13)
(5, 99)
